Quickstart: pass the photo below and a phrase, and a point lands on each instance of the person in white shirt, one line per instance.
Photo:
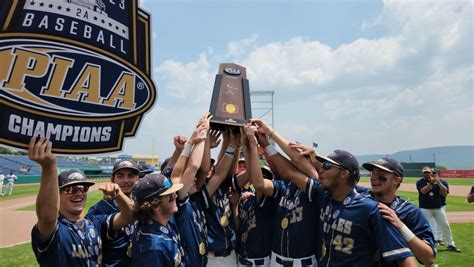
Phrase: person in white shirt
(11, 178)
(2, 177)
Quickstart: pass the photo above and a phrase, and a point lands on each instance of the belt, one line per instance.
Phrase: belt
(251, 262)
(224, 253)
(288, 262)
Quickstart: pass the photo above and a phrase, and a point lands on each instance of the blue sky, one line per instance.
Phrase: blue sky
(364, 76)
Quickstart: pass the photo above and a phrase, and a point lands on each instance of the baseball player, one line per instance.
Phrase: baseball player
(386, 177)
(2, 177)
(256, 213)
(353, 228)
(295, 229)
(63, 236)
(11, 179)
(157, 242)
(117, 248)
(190, 217)
(220, 224)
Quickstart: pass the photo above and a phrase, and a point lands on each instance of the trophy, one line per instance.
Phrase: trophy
(230, 104)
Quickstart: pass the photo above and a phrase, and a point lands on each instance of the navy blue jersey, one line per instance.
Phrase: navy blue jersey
(192, 228)
(295, 230)
(73, 243)
(221, 234)
(354, 231)
(256, 220)
(157, 245)
(412, 217)
(116, 246)
(432, 199)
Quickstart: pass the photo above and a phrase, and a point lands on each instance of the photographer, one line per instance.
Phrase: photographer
(431, 190)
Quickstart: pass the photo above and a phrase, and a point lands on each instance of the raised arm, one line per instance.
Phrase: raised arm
(212, 141)
(182, 160)
(125, 216)
(263, 186)
(178, 142)
(196, 139)
(47, 201)
(222, 168)
(297, 159)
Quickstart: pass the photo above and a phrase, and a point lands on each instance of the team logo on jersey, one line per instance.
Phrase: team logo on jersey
(164, 229)
(92, 232)
(77, 72)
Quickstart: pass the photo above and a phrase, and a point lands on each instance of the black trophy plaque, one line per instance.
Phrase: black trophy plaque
(230, 103)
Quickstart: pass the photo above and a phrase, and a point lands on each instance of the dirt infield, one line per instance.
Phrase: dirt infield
(16, 225)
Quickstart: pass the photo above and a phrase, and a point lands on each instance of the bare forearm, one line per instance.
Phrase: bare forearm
(427, 188)
(191, 169)
(47, 201)
(422, 251)
(407, 262)
(442, 189)
(125, 216)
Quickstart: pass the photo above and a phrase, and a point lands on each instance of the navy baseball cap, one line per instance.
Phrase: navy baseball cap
(73, 177)
(125, 164)
(145, 169)
(154, 185)
(242, 159)
(163, 165)
(343, 159)
(386, 164)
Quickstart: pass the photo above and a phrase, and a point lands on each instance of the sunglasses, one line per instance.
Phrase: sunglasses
(328, 165)
(72, 189)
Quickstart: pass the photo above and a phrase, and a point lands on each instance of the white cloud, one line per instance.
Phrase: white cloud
(407, 89)
(192, 80)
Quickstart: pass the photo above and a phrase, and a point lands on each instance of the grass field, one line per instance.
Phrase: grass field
(412, 180)
(22, 255)
(453, 203)
(31, 190)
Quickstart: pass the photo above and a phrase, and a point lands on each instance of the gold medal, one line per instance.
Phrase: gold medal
(129, 250)
(431, 194)
(202, 248)
(284, 223)
(323, 250)
(224, 221)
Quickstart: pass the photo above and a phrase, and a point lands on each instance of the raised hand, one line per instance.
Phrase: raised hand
(262, 140)
(199, 134)
(303, 149)
(110, 190)
(214, 140)
(250, 131)
(179, 141)
(263, 127)
(40, 152)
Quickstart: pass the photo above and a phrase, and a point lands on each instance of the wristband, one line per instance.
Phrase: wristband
(407, 234)
(187, 150)
(230, 151)
(271, 150)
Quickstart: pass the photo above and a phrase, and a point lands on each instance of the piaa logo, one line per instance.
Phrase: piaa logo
(74, 71)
